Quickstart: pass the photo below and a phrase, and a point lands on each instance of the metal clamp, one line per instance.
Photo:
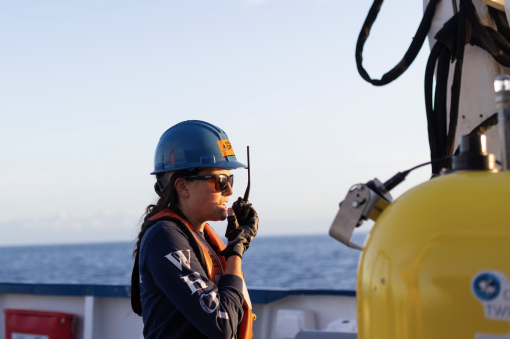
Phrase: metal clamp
(361, 203)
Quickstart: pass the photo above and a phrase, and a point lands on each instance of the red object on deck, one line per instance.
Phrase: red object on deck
(28, 324)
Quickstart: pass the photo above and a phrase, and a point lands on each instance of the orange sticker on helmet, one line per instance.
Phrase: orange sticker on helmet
(226, 148)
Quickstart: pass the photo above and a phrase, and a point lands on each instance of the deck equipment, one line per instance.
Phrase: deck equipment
(475, 40)
(435, 264)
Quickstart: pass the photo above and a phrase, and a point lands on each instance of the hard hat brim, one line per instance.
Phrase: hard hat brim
(228, 165)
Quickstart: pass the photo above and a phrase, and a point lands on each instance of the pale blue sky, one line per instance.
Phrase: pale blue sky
(88, 87)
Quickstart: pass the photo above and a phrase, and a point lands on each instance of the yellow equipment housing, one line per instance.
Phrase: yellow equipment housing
(422, 267)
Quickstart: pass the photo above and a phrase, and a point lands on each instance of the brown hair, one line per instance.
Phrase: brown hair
(167, 197)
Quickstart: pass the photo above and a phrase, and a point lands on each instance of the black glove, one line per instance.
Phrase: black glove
(241, 228)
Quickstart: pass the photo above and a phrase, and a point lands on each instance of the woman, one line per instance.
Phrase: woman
(186, 283)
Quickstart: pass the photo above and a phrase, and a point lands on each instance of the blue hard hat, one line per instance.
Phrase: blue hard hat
(193, 144)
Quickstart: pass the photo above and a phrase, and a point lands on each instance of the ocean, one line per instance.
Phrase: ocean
(288, 262)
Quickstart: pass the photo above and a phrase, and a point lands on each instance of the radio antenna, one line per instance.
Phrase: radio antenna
(247, 193)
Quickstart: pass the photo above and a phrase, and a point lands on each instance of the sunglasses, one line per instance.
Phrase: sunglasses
(221, 181)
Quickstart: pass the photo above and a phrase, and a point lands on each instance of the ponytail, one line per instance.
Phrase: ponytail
(167, 198)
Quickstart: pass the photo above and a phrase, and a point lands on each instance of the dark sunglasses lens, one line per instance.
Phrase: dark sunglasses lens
(222, 181)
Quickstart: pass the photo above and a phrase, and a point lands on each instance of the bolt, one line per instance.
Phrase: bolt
(355, 204)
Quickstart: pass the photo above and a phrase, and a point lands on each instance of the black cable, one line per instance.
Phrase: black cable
(426, 163)
(501, 22)
(454, 4)
(400, 176)
(412, 52)
(463, 28)
(429, 108)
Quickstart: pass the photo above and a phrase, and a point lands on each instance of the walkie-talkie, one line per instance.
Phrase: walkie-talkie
(240, 209)
(247, 193)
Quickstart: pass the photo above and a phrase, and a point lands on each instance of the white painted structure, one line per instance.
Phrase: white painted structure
(104, 312)
(97, 317)
(326, 308)
(476, 101)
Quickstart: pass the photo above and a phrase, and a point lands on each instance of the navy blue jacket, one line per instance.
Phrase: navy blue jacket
(178, 299)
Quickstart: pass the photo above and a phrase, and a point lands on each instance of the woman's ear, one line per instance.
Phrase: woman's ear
(181, 186)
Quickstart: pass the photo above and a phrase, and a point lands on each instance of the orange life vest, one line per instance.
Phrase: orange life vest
(215, 264)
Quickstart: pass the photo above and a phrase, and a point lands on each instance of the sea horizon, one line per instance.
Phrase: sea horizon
(285, 262)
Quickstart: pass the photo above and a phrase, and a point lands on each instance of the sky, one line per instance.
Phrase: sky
(88, 87)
